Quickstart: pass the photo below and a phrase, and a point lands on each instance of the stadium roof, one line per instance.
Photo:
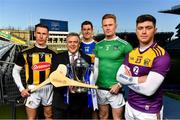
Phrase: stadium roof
(174, 45)
(173, 10)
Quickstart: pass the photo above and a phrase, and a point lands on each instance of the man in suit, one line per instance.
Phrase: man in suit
(67, 103)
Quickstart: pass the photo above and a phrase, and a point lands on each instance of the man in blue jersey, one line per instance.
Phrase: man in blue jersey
(144, 70)
(87, 46)
(87, 42)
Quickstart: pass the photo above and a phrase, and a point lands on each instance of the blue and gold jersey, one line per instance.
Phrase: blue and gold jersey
(37, 63)
(88, 48)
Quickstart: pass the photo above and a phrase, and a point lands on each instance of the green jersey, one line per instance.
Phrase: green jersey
(111, 54)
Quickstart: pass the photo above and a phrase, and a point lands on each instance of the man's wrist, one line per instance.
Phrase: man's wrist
(119, 84)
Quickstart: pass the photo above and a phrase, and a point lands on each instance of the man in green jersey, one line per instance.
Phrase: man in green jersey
(109, 55)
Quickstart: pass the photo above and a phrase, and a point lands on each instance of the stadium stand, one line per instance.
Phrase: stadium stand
(162, 38)
(9, 91)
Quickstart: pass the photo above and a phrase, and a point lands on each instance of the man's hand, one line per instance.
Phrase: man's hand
(72, 89)
(115, 89)
(127, 71)
(25, 93)
(142, 79)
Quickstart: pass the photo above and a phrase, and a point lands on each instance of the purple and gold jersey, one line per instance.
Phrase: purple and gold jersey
(140, 64)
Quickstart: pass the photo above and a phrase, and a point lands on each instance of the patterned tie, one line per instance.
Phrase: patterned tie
(71, 88)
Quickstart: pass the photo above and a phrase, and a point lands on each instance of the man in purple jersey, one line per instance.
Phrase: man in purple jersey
(144, 70)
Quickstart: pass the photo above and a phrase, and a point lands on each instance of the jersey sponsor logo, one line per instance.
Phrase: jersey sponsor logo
(41, 66)
(136, 70)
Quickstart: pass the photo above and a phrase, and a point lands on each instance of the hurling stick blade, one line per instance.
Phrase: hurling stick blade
(61, 69)
(60, 80)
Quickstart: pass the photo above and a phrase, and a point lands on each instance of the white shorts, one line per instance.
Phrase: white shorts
(43, 95)
(132, 114)
(105, 97)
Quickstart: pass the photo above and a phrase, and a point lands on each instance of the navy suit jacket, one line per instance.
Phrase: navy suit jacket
(63, 58)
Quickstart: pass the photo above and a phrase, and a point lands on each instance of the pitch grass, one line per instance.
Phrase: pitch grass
(6, 112)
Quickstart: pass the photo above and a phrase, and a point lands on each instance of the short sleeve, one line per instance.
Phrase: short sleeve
(126, 62)
(161, 64)
(128, 48)
(20, 61)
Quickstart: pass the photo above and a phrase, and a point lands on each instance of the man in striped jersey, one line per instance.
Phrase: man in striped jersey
(37, 61)
(143, 71)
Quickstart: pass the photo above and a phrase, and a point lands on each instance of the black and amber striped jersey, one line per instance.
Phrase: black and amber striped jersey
(37, 63)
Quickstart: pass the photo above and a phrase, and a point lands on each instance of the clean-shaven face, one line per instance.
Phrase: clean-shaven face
(87, 32)
(109, 28)
(145, 32)
(41, 35)
(73, 44)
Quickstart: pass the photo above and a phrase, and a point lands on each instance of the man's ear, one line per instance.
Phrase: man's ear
(155, 30)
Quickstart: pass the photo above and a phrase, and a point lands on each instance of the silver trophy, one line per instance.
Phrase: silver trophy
(78, 70)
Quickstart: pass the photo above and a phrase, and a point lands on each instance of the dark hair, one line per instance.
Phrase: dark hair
(72, 34)
(41, 25)
(86, 23)
(146, 17)
(109, 16)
